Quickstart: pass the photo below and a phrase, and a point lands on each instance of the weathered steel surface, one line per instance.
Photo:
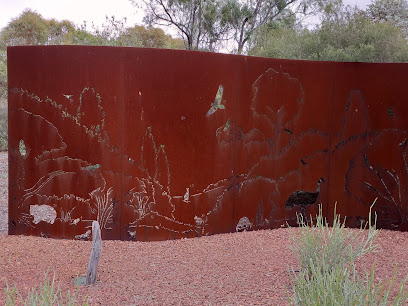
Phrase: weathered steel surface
(160, 144)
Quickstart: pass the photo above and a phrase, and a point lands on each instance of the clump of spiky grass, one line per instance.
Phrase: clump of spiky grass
(342, 286)
(328, 274)
(331, 246)
(48, 293)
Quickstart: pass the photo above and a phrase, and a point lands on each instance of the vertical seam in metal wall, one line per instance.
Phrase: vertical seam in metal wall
(121, 144)
(234, 180)
(331, 127)
(9, 176)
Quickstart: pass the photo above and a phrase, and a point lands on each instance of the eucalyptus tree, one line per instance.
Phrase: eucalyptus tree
(209, 24)
(199, 22)
(30, 28)
(394, 12)
(345, 34)
(247, 16)
(139, 36)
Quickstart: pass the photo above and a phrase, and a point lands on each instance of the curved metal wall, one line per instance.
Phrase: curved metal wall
(162, 144)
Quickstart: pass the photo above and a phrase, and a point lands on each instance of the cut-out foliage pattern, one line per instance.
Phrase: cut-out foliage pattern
(275, 154)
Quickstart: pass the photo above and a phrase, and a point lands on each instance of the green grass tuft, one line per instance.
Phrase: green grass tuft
(48, 293)
(327, 274)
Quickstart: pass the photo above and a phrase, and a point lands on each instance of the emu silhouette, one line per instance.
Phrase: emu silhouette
(303, 198)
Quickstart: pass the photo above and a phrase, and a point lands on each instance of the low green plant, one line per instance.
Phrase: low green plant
(331, 246)
(327, 274)
(342, 286)
(48, 293)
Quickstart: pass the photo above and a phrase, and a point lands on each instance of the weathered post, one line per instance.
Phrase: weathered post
(95, 253)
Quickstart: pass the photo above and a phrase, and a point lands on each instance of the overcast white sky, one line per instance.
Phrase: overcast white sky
(74, 10)
(90, 10)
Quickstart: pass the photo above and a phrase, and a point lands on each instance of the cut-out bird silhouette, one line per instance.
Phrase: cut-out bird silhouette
(217, 102)
(303, 198)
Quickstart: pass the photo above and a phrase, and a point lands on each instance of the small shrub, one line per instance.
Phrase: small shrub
(327, 274)
(342, 286)
(47, 294)
(331, 246)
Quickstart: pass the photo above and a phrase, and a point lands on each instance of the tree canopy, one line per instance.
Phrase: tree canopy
(208, 24)
(30, 28)
(201, 23)
(344, 34)
(394, 12)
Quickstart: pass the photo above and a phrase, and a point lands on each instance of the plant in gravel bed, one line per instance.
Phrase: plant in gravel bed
(342, 286)
(47, 294)
(331, 246)
(327, 274)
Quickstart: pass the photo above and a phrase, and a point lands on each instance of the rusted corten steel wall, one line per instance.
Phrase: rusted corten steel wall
(161, 144)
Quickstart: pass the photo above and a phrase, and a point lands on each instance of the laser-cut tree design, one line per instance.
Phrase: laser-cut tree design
(274, 150)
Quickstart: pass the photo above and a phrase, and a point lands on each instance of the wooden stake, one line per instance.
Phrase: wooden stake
(95, 253)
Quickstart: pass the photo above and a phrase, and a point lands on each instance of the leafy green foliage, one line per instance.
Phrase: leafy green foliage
(3, 73)
(245, 17)
(345, 34)
(139, 36)
(201, 23)
(206, 25)
(394, 12)
(30, 28)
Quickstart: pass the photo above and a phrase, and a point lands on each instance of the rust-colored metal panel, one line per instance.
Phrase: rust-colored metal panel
(283, 148)
(175, 169)
(65, 141)
(162, 144)
(369, 143)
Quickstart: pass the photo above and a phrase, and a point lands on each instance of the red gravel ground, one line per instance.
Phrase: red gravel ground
(249, 268)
